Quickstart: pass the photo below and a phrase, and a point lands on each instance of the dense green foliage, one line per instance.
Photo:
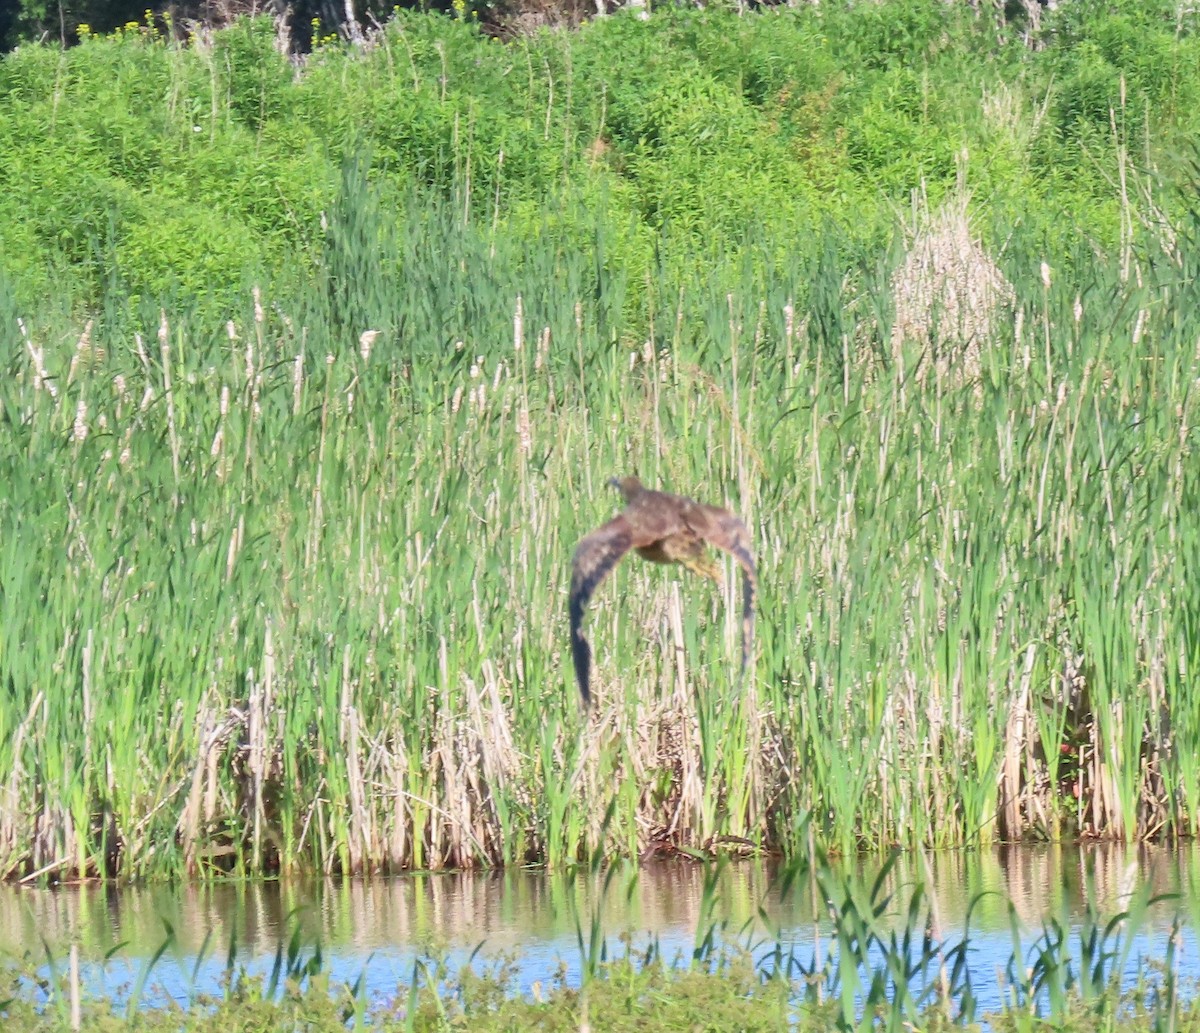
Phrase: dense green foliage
(315, 375)
(138, 165)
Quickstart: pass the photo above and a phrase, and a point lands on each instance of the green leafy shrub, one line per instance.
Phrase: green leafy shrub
(256, 79)
(701, 125)
(187, 251)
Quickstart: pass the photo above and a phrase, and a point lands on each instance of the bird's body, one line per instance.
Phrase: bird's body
(661, 528)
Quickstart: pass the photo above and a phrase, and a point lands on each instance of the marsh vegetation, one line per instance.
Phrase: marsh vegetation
(306, 404)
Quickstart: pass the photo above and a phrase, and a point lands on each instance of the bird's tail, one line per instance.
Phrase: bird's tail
(581, 652)
(749, 591)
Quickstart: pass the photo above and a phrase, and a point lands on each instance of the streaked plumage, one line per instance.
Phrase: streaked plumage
(661, 528)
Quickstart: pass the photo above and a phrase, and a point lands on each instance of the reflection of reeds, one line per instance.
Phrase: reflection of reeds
(286, 601)
(884, 963)
(512, 907)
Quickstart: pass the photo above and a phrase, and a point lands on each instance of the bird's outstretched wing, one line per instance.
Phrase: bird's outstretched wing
(595, 555)
(721, 528)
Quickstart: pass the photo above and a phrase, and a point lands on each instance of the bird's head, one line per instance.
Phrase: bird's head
(629, 487)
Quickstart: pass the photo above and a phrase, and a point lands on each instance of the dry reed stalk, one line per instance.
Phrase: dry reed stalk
(445, 836)
(1017, 731)
(690, 808)
(12, 812)
(164, 345)
(85, 354)
(359, 840)
(188, 827)
(255, 748)
(37, 356)
(297, 383)
(491, 731)
(476, 795)
(1003, 110)
(258, 747)
(1123, 826)
(395, 772)
(53, 839)
(948, 294)
(211, 784)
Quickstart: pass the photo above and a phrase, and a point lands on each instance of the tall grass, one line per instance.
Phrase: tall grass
(288, 593)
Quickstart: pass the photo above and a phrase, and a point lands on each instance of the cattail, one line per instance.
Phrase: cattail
(297, 381)
(40, 377)
(82, 350)
(1018, 326)
(1045, 276)
(524, 432)
(365, 340)
(80, 430)
(518, 326)
(219, 437)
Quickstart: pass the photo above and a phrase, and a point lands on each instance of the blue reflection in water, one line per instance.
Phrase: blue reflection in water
(379, 929)
(388, 971)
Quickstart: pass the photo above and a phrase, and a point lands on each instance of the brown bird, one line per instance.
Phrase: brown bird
(661, 528)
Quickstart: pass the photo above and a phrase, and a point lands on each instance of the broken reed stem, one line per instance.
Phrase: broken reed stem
(164, 344)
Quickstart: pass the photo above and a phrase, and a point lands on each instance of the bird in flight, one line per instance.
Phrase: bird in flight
(661, 528)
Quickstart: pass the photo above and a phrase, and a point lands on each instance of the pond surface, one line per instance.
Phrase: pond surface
(376, 928)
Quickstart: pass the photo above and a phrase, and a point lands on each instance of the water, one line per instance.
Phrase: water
(377, 928)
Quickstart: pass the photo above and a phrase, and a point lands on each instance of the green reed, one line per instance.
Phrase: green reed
(288, 594)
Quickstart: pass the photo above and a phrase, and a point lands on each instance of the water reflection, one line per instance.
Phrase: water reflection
(380, 924)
